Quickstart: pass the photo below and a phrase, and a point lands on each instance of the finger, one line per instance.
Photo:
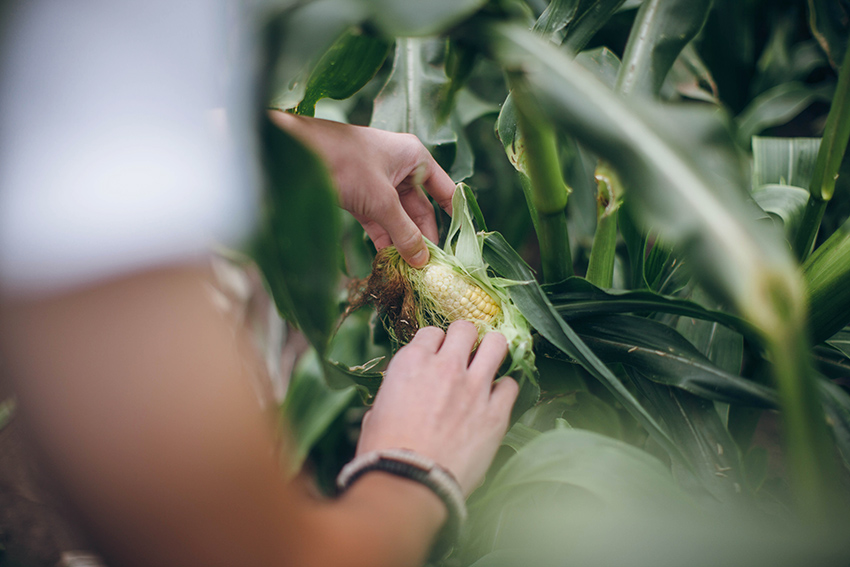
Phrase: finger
(379, 237)
(489, 356)
(429, 339)
(421, 212)
(365, 421)
(402, 230)
(438, 184)
(502, 398)
(460, 338)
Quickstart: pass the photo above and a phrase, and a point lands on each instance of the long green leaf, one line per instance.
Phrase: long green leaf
(577, 298)
(555, 18)
(590, 19)
(777, 106)
(664, 356)
(310, 407)
(670, 189)
(826, 272)
(697, 206)
(552, 456)
(662, 28)
(693, 422)
(786, 161)
(298, 245)
(408, 18)
(344, 69)
(837, 405)
(532, 302)
(411, 97)
(830, 155)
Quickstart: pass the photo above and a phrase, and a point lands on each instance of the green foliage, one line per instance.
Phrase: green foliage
(693, 168)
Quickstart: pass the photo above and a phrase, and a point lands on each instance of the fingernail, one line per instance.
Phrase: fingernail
(420, 258)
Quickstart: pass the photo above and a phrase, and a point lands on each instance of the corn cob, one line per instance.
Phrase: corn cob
(456, 298)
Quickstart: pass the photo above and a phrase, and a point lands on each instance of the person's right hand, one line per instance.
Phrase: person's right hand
(437, 402)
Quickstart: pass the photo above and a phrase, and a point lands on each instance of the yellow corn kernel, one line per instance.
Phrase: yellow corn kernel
(456, 297)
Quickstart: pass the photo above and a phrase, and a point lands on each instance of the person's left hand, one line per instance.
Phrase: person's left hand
(379, 175)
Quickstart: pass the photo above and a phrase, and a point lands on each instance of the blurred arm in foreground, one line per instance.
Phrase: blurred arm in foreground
(131, 382)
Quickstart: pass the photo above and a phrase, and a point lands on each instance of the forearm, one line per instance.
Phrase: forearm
(140, 400)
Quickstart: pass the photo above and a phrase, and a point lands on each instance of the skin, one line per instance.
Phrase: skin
(381, 176)
(137, 393)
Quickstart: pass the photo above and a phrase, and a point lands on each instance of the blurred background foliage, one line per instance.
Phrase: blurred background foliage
(669, 179)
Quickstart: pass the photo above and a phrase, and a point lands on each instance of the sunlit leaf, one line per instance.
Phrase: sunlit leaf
(786, 202)
(785, 161)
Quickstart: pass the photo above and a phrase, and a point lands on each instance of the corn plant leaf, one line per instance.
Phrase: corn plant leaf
(662, 28)
(310, 406)
(411, 99)
(555, 18)
(777, 106)
(785, 203)
(297, 39)
(836, 403)
(826, 274)
(841, 341)
(663, 355)
(298, 244)
(612, 470)
(561, 477)
(603, 63)
(690, 78)
(722, 345)
(830, 23)
(576, 298)
(590, 18)
(344, 69)
(407, 18)
(532, 302)
(693, 422)
(784, 161)
(697, 202)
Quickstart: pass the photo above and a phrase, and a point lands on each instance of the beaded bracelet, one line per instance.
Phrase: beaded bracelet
(413, 466)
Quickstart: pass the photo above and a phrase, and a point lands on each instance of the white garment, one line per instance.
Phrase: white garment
(110, 160)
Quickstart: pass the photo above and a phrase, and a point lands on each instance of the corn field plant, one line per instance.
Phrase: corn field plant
(655, 213)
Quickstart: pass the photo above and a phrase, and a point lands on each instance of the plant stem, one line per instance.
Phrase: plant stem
(600, 270)
(826, 273)
(832, 148)
(809, 450)
(548, 191)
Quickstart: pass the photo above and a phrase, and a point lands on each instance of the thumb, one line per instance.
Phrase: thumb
(404, 233)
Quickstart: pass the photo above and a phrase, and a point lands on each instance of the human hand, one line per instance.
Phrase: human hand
(380, 176)
(436, 402)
